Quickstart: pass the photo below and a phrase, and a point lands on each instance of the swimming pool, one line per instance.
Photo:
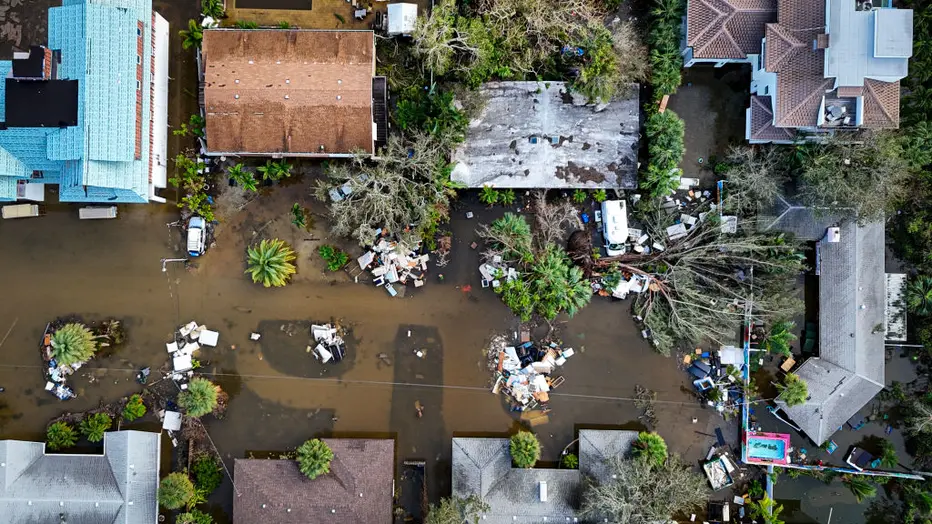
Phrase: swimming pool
(767, 447)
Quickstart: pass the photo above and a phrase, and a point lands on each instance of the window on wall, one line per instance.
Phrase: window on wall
(138, 85)
(138, 32)
(138, 59)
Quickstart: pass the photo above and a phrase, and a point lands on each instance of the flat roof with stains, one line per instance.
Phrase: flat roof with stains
(288, 91)
(531, 135)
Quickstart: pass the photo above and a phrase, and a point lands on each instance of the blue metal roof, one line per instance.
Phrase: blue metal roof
(93, 161)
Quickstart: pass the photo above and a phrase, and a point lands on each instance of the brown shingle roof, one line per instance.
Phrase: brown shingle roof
(881, 104)
(727, 28)
(762, 121)
(357, 489)
(325, 75)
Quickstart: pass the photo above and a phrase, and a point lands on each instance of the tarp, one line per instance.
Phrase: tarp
(172, 421)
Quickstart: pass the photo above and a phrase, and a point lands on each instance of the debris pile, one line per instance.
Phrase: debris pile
(393, 262)
(525, 372)
(717, 377)
(495, 271)
(188, 340)
(330, 345)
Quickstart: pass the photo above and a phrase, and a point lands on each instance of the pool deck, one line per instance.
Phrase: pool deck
(322, 16)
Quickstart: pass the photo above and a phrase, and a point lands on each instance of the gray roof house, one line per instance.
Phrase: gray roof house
(118, 487)
(539, 135)
(816, 66)
(849, 370)
(482, 466)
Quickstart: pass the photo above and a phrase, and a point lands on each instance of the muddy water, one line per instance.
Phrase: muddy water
(57, 265)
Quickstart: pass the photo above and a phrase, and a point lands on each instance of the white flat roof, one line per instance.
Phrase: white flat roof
(850, 55)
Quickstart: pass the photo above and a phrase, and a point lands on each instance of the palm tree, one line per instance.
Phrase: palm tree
(651, 447)
(270, 262)
(794, 390)
(175, 491)
(193, 36)
(919, 295)
(860, 487)
(888, 457)
(525, 449)
(557, 285)
(94, 426)
(242, 177)
(72, 343)
(60, 435)
(200, 398)
(489, 195)
(767, 510)
(779, 338)
(213, 9)
(314, 458)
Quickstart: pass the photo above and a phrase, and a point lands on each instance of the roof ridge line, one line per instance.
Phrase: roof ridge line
(820, 91)
(721, 15)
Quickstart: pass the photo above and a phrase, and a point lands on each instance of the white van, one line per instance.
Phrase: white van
(615, 226)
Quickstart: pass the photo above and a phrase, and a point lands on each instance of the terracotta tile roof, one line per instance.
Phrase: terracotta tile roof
(762, 121)
(782, 46)
(727, 28)
(881, 104)
(850, 91)
(357, 489)
(288, 91)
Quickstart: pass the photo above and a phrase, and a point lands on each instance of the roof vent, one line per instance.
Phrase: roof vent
(286, 97)
(263, 506)
(339, 97)
(287, 81)
(236, 97)
(339, 81)
(360, 495)
(333, 511)
(236, 81)
(833, 235)
(543, 491)
(288, 510)
(251, 62)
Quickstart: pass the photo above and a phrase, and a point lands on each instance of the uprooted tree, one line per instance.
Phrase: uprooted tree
(407, 185)
(700, 284)
(510, 39)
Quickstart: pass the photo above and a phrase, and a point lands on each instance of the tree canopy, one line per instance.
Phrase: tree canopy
(457, 510)
(637, 493)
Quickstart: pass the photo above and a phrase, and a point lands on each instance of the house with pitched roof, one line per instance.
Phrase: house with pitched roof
(119, 487)
(482, 467)
(852, 316)
(817, 67)
(88, 112)
(292, 93)
(359, 488)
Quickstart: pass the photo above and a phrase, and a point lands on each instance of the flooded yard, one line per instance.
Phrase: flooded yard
(57, 265)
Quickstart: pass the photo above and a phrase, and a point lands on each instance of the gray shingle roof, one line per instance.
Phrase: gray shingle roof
(805, 223)
(359, 487)
(482, 466)
(852, 298)
(118, 487)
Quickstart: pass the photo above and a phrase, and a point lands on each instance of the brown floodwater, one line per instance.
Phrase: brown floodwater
(57, 265)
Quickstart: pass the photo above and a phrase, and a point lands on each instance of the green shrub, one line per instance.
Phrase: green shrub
(600, 196)
(207, 473)
(73, 343)
(570, 461)
(579, 196)
(665, 148)
(200, 398)
(314, 458)
(94, 426)
(507, 197)
(298, 216)
(270, 262)
(60, 435)
(134, 408)
(195, 516)
(175, 490)
(525, 449)
(333, 256)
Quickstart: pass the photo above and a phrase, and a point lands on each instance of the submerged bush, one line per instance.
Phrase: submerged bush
(73, 343)
(60, 435)
(314, 458)
(270, 262)
(94, 426)
(525, 449)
